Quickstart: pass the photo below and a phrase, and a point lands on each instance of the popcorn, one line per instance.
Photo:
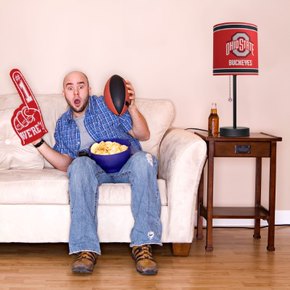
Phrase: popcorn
(108, 148)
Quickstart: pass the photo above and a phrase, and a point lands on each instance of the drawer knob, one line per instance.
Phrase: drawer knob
(242, 149)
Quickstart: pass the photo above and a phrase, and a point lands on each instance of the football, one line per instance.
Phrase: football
(116, 95)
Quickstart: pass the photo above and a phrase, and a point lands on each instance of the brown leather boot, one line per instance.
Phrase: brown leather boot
(84, 262)
(143, 257)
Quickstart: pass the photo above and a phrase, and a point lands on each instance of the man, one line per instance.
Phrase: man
(86, 121)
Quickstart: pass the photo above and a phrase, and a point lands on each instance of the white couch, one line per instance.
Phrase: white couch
(34, 200)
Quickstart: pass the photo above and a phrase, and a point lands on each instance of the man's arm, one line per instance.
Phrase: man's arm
(140, 128)
(56, 159)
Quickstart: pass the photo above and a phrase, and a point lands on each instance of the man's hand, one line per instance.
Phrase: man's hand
(131, 93)
(27, 120)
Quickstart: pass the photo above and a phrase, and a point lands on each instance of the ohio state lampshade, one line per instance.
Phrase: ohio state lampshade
(235, 49)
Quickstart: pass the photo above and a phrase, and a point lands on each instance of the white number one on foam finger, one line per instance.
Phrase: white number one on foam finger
(23, 88)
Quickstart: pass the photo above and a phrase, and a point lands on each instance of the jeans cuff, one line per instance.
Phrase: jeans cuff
(142, 244)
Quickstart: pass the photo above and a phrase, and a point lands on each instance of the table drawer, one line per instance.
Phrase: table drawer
(242, 149)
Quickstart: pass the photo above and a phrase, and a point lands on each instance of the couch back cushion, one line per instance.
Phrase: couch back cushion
(158, 113)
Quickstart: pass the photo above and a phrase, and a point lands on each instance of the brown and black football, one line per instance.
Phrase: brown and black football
(116, 95)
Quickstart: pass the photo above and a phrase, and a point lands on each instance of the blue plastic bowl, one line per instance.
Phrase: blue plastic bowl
(114, 162)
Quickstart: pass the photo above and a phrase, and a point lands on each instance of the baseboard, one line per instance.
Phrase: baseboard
(282, 217)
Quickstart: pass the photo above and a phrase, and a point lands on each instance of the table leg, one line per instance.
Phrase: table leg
(272, 198)
(199, 234)
(258, 197)
(210, 178)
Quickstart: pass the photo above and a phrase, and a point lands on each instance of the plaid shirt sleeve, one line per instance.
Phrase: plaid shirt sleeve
(66, 136)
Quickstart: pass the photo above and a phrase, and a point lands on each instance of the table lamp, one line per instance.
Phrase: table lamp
(235, 52)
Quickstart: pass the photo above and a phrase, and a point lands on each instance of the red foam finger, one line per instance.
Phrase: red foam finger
(27, 120)
(23, 89)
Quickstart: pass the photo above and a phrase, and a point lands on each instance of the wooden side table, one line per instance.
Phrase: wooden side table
(257, 145)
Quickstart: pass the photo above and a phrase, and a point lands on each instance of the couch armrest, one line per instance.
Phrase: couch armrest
(181, 160)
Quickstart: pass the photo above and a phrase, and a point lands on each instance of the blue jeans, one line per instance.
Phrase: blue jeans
(85, 176)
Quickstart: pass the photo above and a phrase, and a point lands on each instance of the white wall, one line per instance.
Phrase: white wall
(165, 48)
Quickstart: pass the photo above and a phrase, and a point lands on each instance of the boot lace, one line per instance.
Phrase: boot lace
(91, 256)
(143, 252)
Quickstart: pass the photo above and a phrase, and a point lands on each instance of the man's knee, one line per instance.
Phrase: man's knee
(81, 164)
(143, 160)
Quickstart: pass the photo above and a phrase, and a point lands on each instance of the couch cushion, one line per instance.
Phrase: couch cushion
(159, 115)
(33, 186)
(50, 186)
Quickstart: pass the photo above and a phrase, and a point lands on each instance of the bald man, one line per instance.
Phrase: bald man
(88, 120)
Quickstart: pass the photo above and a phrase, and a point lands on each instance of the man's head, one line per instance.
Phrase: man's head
(76, 90)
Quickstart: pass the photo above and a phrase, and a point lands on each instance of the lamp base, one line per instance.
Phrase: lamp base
(234, 132)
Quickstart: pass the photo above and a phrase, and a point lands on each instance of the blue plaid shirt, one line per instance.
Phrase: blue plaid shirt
(100, 123)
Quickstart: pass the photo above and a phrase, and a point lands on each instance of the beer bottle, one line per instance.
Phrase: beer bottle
(213, 121)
